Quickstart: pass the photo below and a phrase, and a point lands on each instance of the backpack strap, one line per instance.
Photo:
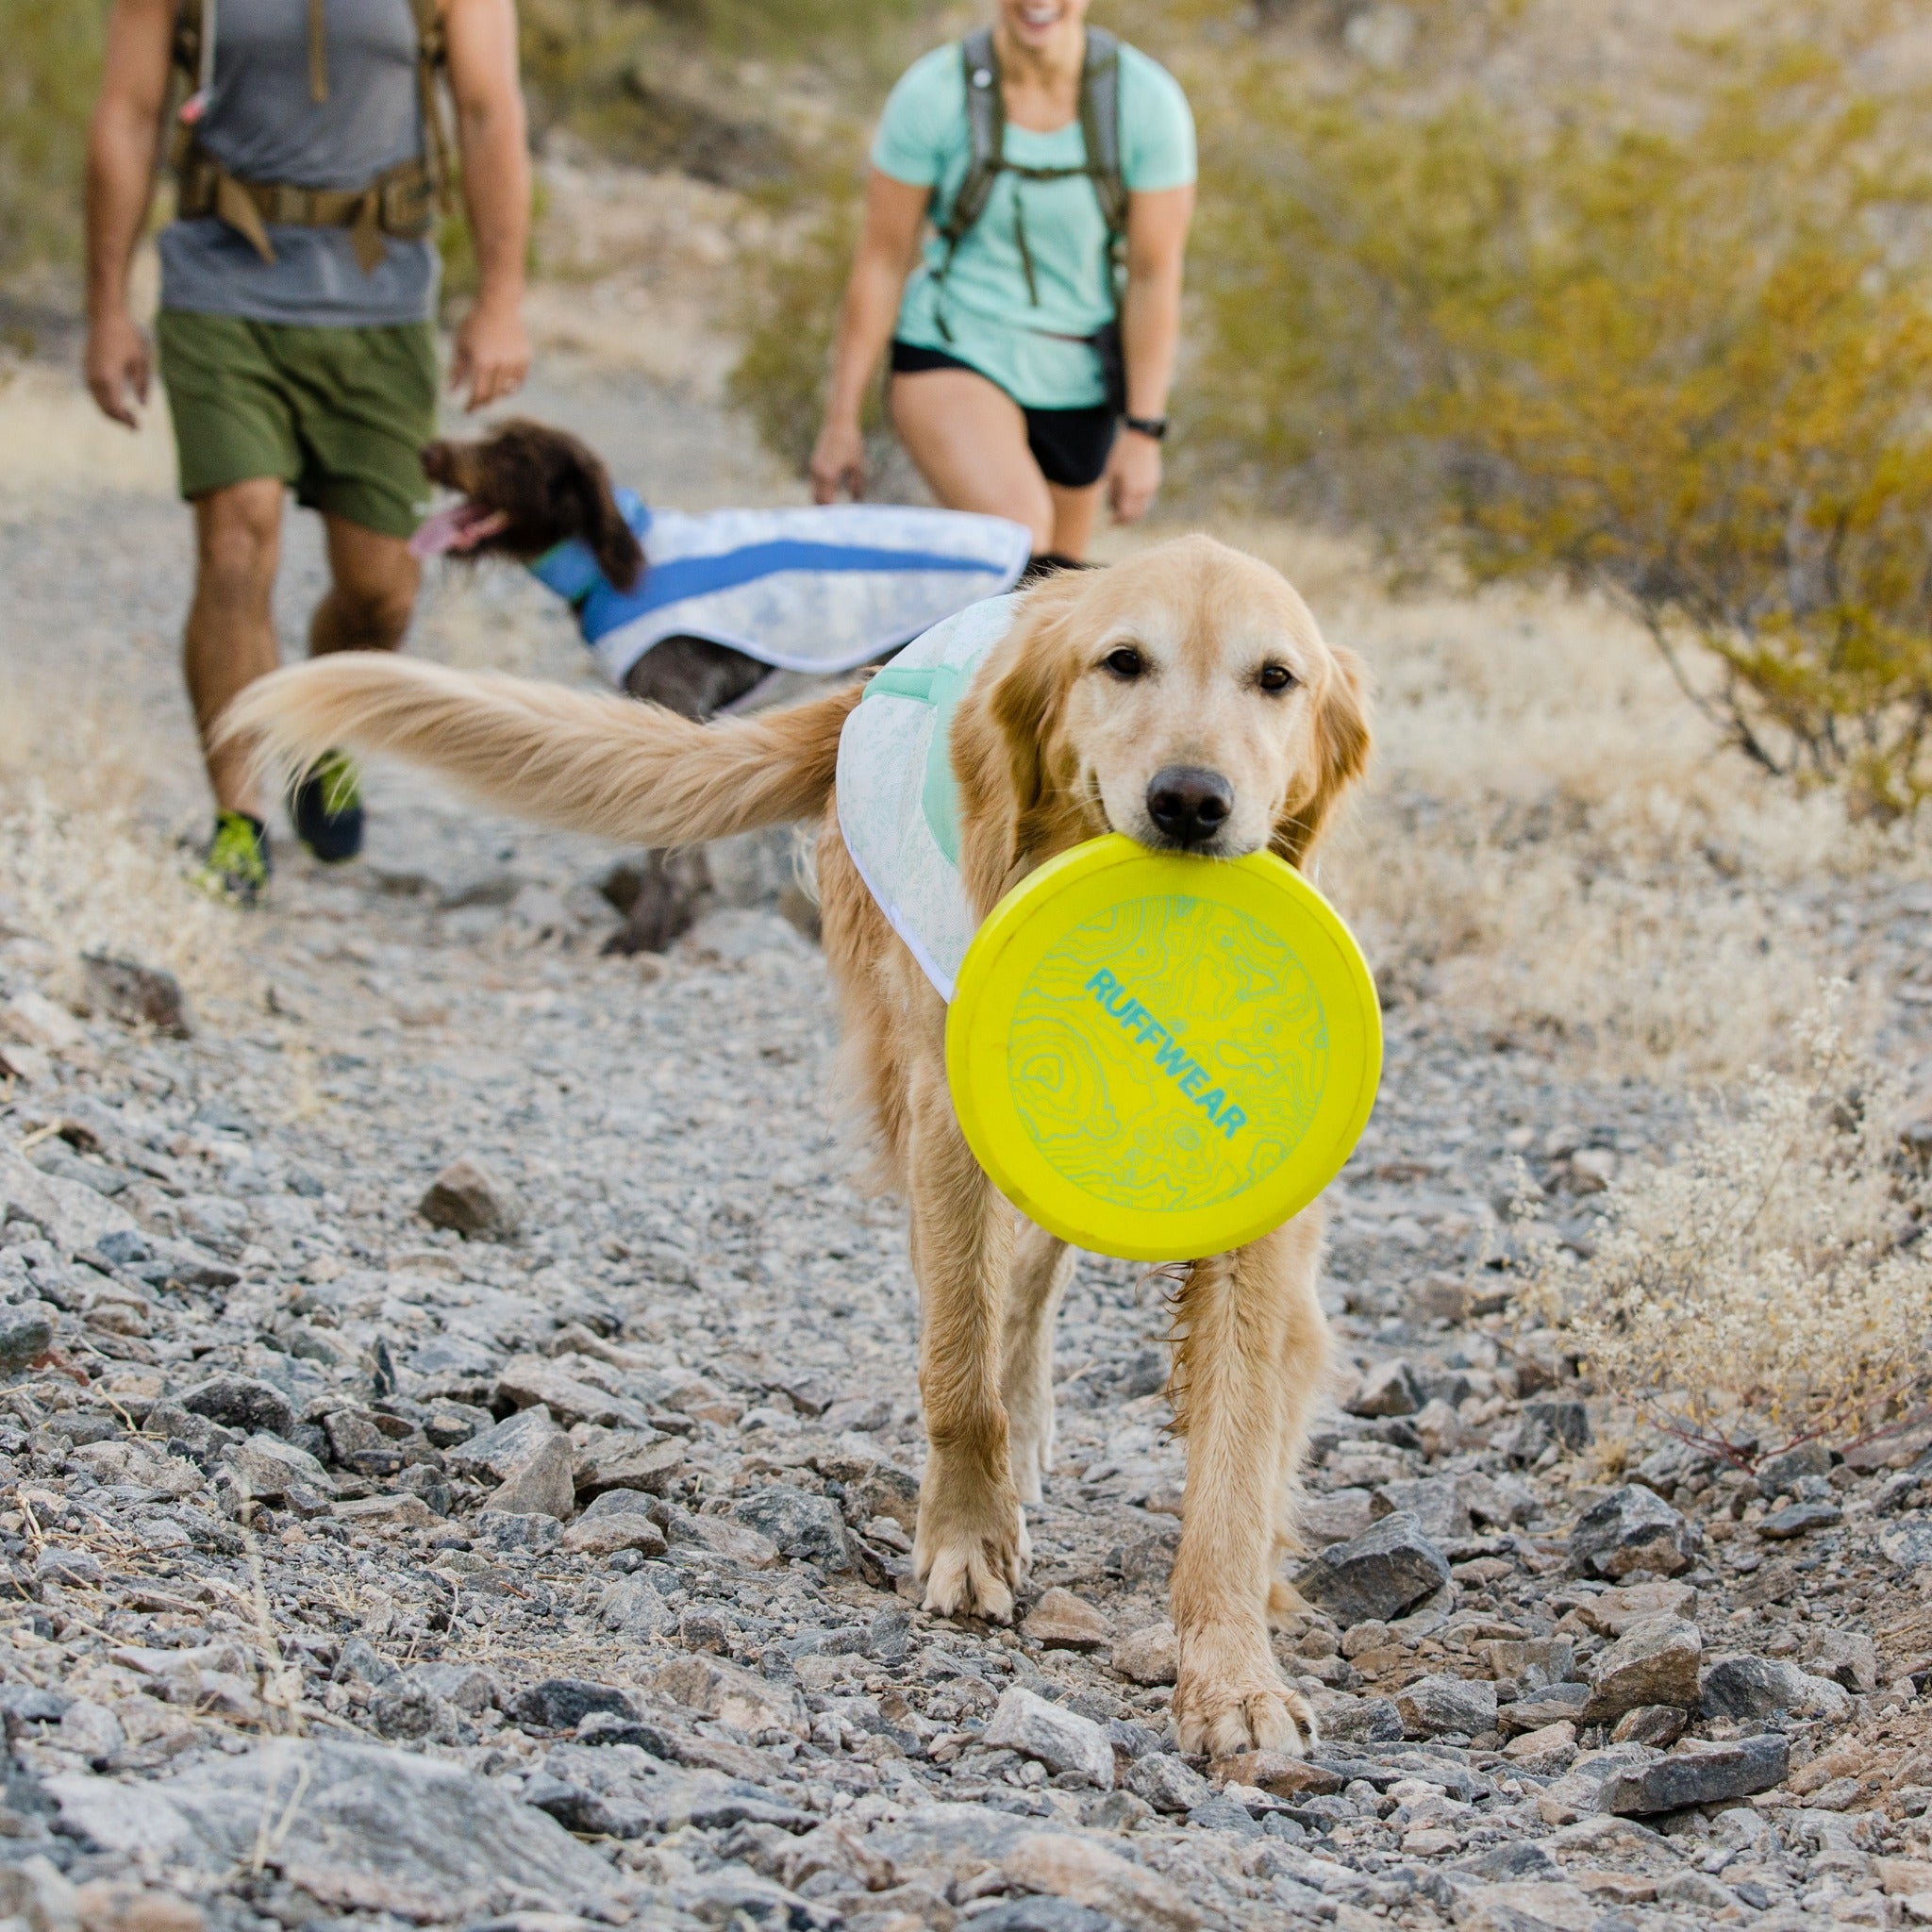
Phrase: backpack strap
(1100, 127)
(985, 126)
(432, 57)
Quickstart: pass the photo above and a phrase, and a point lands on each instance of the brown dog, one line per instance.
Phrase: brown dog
(1185, 698)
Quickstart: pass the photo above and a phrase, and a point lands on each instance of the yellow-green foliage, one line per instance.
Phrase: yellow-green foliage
(50, 53)
(1689, 367)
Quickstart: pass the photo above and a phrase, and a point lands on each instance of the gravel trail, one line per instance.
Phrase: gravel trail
(458, 1442)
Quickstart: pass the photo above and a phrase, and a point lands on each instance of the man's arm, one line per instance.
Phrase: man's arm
(492, 352)
(123, 145)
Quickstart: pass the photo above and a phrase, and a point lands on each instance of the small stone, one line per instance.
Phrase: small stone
(501, 1529)
(1780, 1474)
(1337, 1517)
(1278, 1774)
(1061, 1621)
(1652, 1662)
(386, 1512)
(135, 995)
(534, 1381)
(1556, 1704)
(26, 1333)
(1062, 1739)
(1224, 1814)
(1435, 1706)
(1848, 1657)
(1549, 1424)
(1629, 1531)
(1436, 1502)
(1359, 1720)
(239, 1401)
(1545, 1745)
(1149, 1655)
(1763, 1686)
(462, 1687)
(1089, 1875)
(1657, 1725)
(1699, 1773)
(1613, 1612)
(266, 1468)
(1167, 1782)
(1429, 1841)
(469, 1196)
(1531, 1663)
(411, 1713)
(632, 1462)
(749, 1702)
(543, 1486)
(1439, 1427)
(806, 1529)
(1381, 1574)
(731, 1542)
(499, 1453)
(89, 1729)
(605, 1536)
(1387, 1388)
(1800, 1519)
(104, 1905)
(561, 1704)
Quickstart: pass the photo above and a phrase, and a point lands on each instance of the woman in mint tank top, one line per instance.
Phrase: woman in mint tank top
(1027, 217)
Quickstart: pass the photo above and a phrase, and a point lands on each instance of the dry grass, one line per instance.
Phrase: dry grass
(1767, 1286)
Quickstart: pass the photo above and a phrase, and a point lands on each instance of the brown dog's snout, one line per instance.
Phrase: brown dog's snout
(1189, 803)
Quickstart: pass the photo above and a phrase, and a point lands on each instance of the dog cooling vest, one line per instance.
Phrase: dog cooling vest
(821, 589)
(898, 803)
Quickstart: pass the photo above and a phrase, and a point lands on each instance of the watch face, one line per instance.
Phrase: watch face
(1159, 1057)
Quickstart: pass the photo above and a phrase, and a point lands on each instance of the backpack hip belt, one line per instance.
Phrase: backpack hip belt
(401, 201)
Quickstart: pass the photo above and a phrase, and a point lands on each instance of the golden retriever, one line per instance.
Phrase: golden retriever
(1186, 698)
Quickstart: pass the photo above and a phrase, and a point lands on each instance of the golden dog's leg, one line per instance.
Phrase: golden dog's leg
(1041, 1263)
(971, 1547)
(1251, 1355)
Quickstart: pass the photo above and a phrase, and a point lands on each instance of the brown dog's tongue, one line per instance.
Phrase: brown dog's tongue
(461, 526)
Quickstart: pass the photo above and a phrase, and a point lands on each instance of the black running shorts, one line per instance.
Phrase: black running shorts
(1069, 446)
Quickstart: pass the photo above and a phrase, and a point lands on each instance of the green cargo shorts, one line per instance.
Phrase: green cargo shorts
(339, 413)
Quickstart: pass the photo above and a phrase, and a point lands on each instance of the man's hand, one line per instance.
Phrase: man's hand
(117, 365)
(838, 462)
(1133, 476)
(493, 354)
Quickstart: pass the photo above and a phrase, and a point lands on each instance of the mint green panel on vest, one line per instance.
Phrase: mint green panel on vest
(898, 799)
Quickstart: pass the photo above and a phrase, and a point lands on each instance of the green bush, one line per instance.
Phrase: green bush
(47, 79)
(1687, 367)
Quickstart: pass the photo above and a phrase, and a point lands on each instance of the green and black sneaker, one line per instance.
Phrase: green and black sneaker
(326, 806)
(237, 862)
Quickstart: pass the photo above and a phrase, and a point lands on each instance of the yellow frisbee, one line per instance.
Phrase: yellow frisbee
(1159, 1057)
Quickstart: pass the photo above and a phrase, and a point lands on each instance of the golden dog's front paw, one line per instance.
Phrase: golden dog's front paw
(1226, 1712)
(973, 1571)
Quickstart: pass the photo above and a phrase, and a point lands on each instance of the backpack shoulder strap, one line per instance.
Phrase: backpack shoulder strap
(1100, 126)
(432, 55)
(985, 127)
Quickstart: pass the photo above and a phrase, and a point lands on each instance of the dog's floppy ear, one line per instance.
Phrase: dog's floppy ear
(611, 540)
(1002, 745)
(1338, 754)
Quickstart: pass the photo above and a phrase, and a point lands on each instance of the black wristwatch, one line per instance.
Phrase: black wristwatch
(1154, 426)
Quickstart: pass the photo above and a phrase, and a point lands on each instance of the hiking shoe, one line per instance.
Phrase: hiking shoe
(237, 862)
(326, 806)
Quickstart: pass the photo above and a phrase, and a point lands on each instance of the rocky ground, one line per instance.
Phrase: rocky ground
(459, 1449)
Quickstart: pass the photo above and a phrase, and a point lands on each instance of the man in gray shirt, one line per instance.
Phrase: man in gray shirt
(298, 284)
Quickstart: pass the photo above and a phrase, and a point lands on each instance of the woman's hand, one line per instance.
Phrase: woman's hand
(117, 366)
(1133, 476)
(838, 461)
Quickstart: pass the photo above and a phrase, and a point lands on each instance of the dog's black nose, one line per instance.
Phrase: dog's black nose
(1189, 803)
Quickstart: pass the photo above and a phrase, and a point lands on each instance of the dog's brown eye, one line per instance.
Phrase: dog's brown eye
(1277, 678)
(1125, 663)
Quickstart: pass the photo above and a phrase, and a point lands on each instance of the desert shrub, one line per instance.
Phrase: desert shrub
(1685, 365)
(1768, 1286)
(46, 86)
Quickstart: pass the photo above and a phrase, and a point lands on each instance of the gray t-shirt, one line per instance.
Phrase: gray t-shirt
(261, 124)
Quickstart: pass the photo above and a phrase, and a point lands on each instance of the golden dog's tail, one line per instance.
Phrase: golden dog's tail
(586, 763)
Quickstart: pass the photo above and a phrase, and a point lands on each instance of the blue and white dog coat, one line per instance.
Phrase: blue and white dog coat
(898, 801)
(813, 590)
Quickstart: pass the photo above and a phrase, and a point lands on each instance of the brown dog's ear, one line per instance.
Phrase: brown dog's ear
(611, 540)
(1003, 743)
(1338, 755)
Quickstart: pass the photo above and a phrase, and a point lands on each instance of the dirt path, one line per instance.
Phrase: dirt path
(301, 1634)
